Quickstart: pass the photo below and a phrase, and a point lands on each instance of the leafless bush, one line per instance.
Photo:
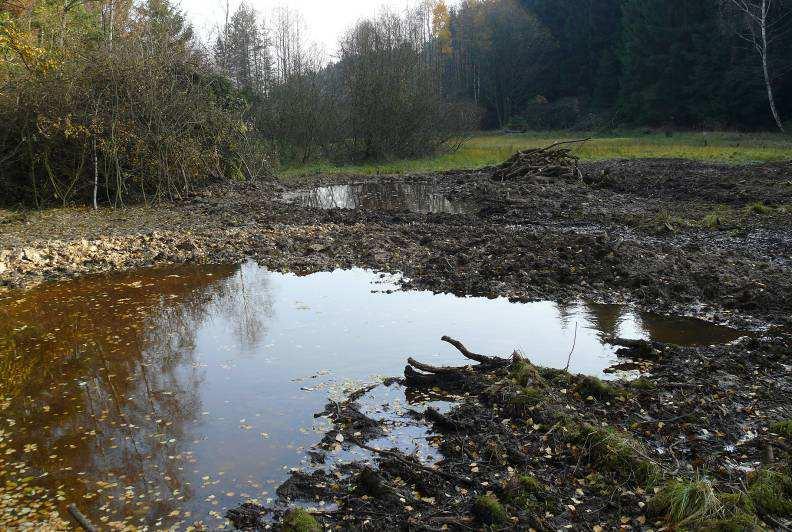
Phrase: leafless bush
(135, 114)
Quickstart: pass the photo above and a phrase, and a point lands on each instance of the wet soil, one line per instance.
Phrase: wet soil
(630, 231)
(674, 237)
(550, 450)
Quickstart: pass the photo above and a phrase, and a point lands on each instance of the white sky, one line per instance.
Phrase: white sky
(326, 20)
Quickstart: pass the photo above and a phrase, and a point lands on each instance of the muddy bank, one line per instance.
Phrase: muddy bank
(605, 237)
(561, 450)
(527, 447)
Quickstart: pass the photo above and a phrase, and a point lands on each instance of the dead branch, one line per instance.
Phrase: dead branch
(83, 521)
(549, 162)
(481, 359)
(399, 457)
(433, 369)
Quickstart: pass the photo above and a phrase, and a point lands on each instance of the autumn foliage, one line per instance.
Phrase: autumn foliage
(112, 99)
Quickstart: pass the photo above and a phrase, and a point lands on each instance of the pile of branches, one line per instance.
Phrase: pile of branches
(551, 162)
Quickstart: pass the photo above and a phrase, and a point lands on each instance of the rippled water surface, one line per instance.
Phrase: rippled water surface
(413, 197)
(165, 396)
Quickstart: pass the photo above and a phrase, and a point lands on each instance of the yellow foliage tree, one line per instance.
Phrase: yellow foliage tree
(17, 46)
(441, 26)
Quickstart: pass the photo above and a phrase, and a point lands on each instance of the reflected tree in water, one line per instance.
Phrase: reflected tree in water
(104, 382)
(605, 319)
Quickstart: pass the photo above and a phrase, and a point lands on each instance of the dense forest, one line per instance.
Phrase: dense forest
(101, 100)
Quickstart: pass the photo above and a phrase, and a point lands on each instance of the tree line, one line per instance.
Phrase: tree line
(382, 96)
(677, 63)
(103, 100)
(533, 64)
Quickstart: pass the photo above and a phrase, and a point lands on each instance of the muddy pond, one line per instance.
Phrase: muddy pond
(379, 196)
(165, 396)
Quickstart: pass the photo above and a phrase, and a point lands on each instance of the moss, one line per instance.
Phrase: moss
(616, 452)
(783, 428)
(528, 493)
(298, 520)
(739, 501)
(739, 522)
(594, 387)
(529, 396)
(489, 510)
(557, 377)
(771, 492)
(643, 384)
(696, 505)
(369, 483)
(599, 484)
(530, 484)
(525, 374)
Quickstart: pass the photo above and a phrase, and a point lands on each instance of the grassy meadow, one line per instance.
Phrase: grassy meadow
(491, 148)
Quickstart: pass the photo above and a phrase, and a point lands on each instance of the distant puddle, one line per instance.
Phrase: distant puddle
(165, 396)
(413, 197)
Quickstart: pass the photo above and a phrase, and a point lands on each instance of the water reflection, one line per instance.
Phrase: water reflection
(615, 321)
(413, 197)
(164, 396)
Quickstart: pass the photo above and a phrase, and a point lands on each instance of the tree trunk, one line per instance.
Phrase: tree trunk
(96, 176)
(766, 70)
(771, 98)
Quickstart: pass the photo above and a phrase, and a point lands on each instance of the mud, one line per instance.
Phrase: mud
(560, 451)
(630, 231)
(674, 237)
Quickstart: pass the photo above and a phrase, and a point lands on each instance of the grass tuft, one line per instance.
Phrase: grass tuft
(713, 220)
(759, 207)
(687, 502)
(526, 374)
(596, 388)
(619, 453)
(771, 492)
(696, 505)
(783, 428)
(489, 510)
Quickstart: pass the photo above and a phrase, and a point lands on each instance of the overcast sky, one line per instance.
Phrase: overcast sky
(326, 19)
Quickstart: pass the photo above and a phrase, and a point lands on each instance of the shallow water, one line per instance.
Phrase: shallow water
(168, 395)
(413, 197)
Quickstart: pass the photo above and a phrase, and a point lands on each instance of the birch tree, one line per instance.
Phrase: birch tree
(764, 22)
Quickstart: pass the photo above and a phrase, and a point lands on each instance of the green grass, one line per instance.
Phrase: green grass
(783, 428)
(771, 492)
(618, 452)
(697, 505)
(492, 148)
(594, 387)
